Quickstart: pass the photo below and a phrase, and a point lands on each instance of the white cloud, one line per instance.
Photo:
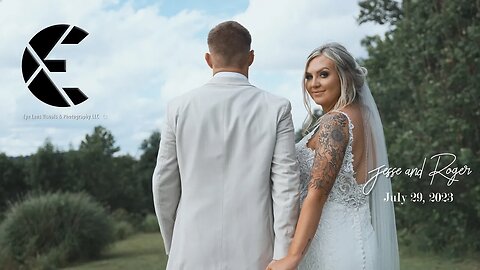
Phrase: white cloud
(134, 60)
(129, 64)
(284, 33)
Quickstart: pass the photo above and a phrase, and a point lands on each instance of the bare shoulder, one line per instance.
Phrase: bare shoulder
(354, 113)
(335, 117)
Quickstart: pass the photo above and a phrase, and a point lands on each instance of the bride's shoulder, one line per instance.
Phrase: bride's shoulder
(335, 123)
(353, 113)
(336, 117)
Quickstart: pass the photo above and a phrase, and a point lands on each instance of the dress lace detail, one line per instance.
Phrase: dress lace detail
(345, 190)
(344, 238)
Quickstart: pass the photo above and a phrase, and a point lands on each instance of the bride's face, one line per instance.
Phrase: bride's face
(322, 82)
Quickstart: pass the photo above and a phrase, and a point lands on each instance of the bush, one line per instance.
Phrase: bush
(122, 230)
(47, 231)
(150, 224)
(135, 219)
(121, 215)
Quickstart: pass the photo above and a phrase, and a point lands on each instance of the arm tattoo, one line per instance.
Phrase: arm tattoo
(332, 142)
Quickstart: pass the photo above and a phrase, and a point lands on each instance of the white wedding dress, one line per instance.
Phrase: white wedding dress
(345, 239)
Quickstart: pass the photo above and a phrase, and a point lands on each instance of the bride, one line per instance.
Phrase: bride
(344, 223)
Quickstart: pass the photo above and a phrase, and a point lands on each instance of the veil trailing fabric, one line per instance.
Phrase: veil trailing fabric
(382, 213)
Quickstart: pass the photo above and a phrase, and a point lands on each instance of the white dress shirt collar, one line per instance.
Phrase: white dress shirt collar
(228, 74)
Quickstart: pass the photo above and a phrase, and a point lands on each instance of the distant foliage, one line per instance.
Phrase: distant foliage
(150, 224)
(117, 181)
(47, 231)
(380, 11)
(122, 230)
(13, 183)
(424, 74)
(145, 168)
(126, 223)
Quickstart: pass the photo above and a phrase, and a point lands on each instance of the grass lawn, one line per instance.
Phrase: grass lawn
(410, 261)
(139, 252)
(145, 252)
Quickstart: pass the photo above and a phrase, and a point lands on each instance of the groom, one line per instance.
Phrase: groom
(225, 186)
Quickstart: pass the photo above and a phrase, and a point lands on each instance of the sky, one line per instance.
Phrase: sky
(140, 54)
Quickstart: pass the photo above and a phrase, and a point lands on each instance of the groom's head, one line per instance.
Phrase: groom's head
(229, 47)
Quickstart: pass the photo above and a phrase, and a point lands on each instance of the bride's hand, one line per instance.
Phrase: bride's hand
(287, 263)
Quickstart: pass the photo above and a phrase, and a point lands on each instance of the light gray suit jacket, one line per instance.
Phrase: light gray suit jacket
(226, 182)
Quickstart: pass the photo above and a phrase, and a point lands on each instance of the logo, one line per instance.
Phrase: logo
(35, 68)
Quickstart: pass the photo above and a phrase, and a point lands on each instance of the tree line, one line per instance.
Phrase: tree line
(424, 74)
(116, 181)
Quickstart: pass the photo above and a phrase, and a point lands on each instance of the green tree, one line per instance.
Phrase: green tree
(47, 169)
(380, 11)
(93, 165)
(127, 190)
(109, 178)
(12, 180)
(146, 166)
(424, 76)
(101, 141)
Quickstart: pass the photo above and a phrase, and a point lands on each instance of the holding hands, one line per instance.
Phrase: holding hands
(287, 263)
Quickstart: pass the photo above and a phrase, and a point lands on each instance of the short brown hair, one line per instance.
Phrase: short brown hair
(231, 42)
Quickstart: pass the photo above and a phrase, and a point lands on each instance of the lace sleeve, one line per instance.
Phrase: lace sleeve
(332, 142)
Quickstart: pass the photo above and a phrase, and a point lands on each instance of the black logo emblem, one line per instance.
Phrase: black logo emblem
(35, 68)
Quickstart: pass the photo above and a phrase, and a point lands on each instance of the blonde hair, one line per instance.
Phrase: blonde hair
(351, 74)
